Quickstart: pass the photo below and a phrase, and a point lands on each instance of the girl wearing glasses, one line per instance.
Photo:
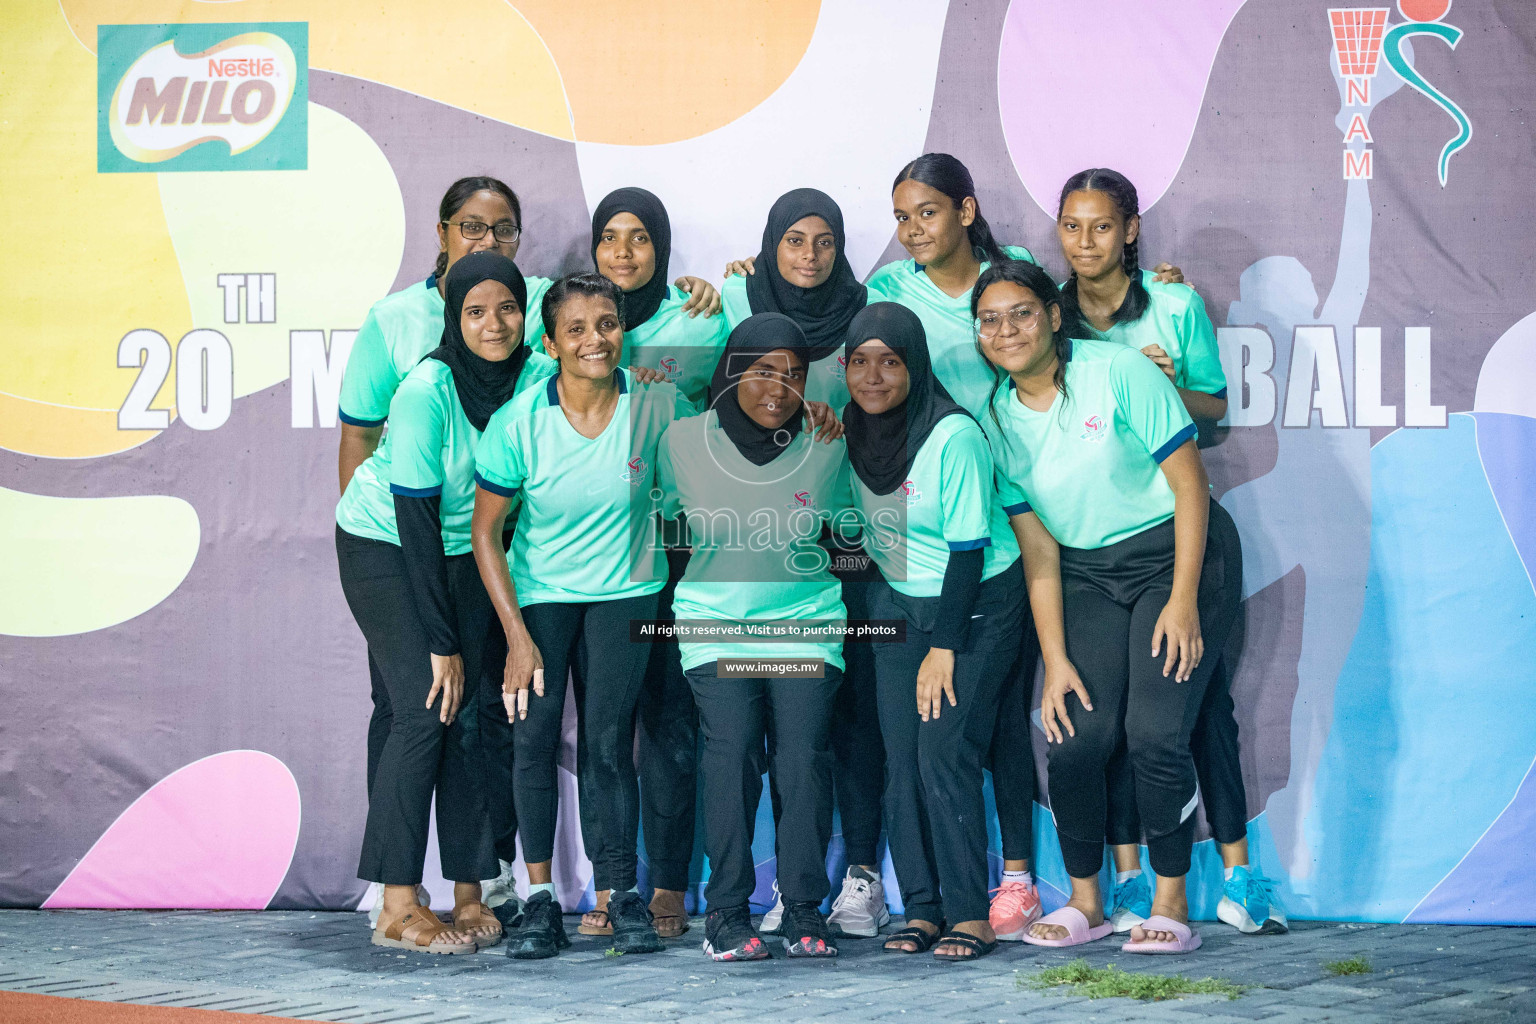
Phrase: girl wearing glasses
(950, 570)
(403, 545)
(1098, 224)
(579, 450)
(1098, 470)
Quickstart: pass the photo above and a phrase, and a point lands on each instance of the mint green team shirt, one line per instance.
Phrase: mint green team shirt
(587, 529)
(949, 503)
(428, 450)
(754, 531)
(399, 330)
(826, 380)
(948, 323)
(682, 347)
(1090, 466)
(1176, 320)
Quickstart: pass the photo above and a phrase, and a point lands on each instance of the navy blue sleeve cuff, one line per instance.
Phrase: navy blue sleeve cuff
(355, 422)
(1173, 443)
(1219, 394)
(970, 545)
(416, 492)
(505, 492)
(1016, 510)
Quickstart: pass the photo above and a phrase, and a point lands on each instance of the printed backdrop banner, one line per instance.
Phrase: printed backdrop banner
(201, 213)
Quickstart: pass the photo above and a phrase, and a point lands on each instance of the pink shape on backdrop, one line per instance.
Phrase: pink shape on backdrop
(1105, 83)
(217, 834)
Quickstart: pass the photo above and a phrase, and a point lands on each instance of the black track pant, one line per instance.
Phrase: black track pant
(1112, 598)
(1214, 743)
(495, 746)
(606, 694)
(1012, 756)
(668, 728)
(934, 808)
(419, 755)
(734, 716)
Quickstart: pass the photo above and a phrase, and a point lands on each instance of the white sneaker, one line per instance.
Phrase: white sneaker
(859, 911)
(500, 894)
(773, 921)
(373, 899)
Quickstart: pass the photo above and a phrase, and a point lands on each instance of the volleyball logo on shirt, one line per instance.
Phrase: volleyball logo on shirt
(803, 500)
(908, 494)
(1093, 429)
(840, 370)
(635, 470)
(671, 367)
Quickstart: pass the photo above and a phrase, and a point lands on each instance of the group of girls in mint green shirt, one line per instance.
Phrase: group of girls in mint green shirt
(949, 473)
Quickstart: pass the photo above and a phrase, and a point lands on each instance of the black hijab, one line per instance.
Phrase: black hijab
(482, 386)
(825, 311)
(752, 339)
(641, 304)
(882, 446)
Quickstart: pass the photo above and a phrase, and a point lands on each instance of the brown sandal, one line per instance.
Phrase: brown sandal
(474, 915)
(419, 930)
(668, 914)
(606, 928)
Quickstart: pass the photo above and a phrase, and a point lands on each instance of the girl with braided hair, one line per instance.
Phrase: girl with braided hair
(1111, 298)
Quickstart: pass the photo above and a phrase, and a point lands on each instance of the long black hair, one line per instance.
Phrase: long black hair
(458, 194)
(944, 173)
(1026, 275)
(586, 283)
(1123, 194)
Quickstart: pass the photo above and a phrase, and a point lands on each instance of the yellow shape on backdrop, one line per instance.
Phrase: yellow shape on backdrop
(74, 565)
(332, 235)
(90, 258)
(648, 73)
(479, 55)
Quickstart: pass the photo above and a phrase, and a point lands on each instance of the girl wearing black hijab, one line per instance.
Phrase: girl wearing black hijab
(754, 491)
(949, 568)
(403, 545)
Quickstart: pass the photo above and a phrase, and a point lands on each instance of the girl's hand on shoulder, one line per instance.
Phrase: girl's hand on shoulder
(1061, 678)
(702, 296)
(828, 427)
(1167, 273)
(741, 268)
(1163, 360)
(935, 681)
(447, 681)
(647, 375)
(1179, 625)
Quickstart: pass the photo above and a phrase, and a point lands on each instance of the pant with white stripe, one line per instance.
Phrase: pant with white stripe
(1112, 597)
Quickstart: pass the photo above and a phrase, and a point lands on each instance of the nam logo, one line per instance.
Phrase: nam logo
(671, 368)
(231, 97)
(634, 469)
(1361, 37)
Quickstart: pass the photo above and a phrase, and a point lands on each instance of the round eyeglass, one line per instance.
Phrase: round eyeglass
(474, 230)
(1022, 318)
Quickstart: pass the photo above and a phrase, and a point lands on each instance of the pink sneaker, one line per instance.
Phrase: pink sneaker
(1015, 906)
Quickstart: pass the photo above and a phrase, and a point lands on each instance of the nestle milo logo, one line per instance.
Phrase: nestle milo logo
(229, 97)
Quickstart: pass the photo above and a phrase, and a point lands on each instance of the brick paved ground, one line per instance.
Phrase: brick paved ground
(321, 967)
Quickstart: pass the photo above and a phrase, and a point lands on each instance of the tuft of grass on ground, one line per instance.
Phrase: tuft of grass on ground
(1354, 965)
(610, 951)
(1080, 979)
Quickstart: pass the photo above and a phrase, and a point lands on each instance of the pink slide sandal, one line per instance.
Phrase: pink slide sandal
(1187, 942)
(1076, 925)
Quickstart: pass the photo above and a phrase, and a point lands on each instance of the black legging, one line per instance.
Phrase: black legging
(495, 746)
(934, 809)
(668, 731)
(606, 694)
(1011, 758)
(418, 755)
(733, 717)
(1213, 744)
(1112, 598)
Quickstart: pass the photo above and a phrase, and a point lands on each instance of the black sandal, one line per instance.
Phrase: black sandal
(921, 939)
(977, 947)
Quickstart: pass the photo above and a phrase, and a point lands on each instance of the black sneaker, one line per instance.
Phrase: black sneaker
(729, 935)
(542, 933)
(805, 931)
(633, 931)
